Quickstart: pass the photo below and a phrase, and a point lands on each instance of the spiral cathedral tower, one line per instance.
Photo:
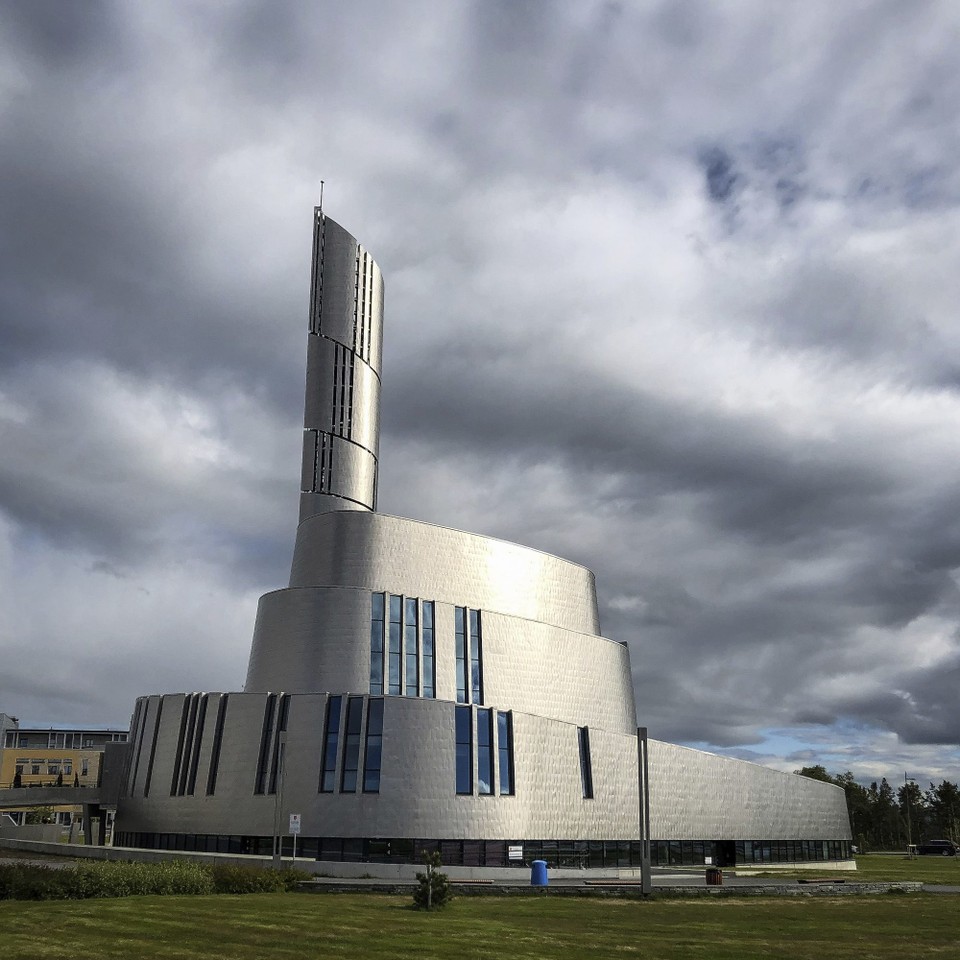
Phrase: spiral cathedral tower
(420, 688)
(341, 419)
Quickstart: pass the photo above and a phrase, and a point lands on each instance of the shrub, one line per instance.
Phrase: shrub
(120, 878)
(27, 881)
(433, 890)
(232, 878)
(116, 878)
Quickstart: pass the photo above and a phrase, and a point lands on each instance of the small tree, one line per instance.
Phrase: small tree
(433, 889)
(40, 815)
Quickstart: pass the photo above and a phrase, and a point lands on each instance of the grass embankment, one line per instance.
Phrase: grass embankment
(299, 925)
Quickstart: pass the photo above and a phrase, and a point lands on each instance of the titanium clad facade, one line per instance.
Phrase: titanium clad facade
(341, 424)
(694, 795)
(419, 688)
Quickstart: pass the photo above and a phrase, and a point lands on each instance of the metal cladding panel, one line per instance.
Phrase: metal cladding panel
(160, 771)
(380, 552)
(587, 682)
(318, 639)
(696, 796)
(338, 284)
(375, 357)
(354, 472)
(349, 476)
(234, 808)
(314, 640)
(417, 796)
(319, 407)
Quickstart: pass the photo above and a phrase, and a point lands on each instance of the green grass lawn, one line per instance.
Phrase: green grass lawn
(372, 926)
(877, 867)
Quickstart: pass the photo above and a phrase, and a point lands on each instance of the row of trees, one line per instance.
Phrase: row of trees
(886, 819)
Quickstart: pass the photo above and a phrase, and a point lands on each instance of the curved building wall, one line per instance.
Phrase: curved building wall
(417, 791)
(380, 552)
(694, 795)
(317, 640)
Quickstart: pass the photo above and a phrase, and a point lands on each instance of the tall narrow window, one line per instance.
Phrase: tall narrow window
(276, 767)
(586, 766)
(376, 645)
(476, 669)
(393, 651)
(461, 645)
(217, 742)
(374, 747)
(410, 652)
(464, 750)
(485, 751)
(351, 745)
(505, 752)
(331, 742)
(429, 684)
(265, 740)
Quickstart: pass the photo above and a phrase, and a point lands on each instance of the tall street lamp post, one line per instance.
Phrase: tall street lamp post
(906, 800)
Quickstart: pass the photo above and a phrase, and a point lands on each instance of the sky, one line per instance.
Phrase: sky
(670, 291)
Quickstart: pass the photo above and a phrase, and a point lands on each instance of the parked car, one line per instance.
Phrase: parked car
(940, 848)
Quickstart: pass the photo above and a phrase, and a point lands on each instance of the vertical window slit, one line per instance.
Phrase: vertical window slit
(411, 653)
(277, 758)
(476, 659)
(178, 756)
(265, 732)
(197, 742)
(376, 644)
(373, 748)
(464, 735)
(505, 752)
(485, 751)
(331, 738)
(336, 384)
(217, 740)
(461, 652)
(353, 360)
(586, 765)
(351, 745)
(394, 662)
(428, 672)
(153, 748)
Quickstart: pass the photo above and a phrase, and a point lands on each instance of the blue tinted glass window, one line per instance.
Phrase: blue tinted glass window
(410, 652)
(505, 752)
(461, 650)
(373, 751)
(393, 651)
(485, 751)
(476, 670)
(464, 724)
(351, 745)
(328, 765)
(376, 644)
(428, 650)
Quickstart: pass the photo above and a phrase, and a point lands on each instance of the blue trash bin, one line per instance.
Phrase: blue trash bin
(538, 873)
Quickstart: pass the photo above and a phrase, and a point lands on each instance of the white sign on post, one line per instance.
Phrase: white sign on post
(514, 852)
(294, 823)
